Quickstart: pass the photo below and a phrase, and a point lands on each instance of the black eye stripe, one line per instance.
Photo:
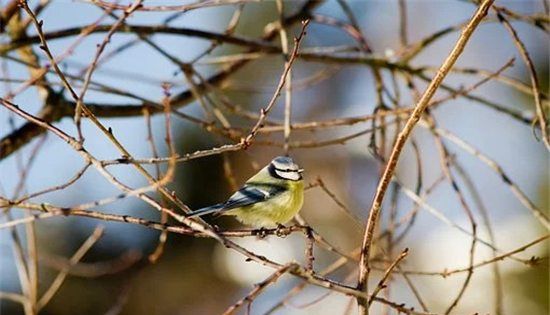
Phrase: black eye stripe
(286, 170)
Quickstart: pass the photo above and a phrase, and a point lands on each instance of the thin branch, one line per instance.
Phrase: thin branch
(93, 64)
(381, 284)
(77, 256)
(445, 273)
(65, 108)
(288, 83)
(520, 195)
(263, 113)
(541, 113)
(144, 30)
(258, 288)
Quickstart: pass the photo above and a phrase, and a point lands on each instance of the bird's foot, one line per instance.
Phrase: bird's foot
(261, 233)
(282, 230)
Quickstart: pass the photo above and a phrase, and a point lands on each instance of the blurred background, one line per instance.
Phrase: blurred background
(198, 275)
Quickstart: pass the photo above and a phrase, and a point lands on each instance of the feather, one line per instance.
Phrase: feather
(205, 211)
(252, 193)
(248, 195)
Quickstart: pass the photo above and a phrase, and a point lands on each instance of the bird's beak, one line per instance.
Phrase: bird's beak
(301, 170)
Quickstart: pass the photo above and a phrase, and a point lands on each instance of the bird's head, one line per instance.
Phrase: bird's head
(283, 167)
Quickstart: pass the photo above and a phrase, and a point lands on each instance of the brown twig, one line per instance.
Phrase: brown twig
(396, 151)
(541, 113)
(445, 159)
(446, 272)
(247, 141)
(476, 196)
(77, 256)
(258, 288)
(537, 213)
(288, 82)
(93, 64)
(381, 284)
(64, 108)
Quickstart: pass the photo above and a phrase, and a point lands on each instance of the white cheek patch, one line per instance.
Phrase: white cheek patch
(288, 175)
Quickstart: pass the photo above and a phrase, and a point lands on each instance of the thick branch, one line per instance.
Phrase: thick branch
(258, 45)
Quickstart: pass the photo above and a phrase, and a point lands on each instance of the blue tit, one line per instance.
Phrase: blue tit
(270, 198)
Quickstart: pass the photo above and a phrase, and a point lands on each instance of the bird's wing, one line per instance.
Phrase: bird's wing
(205, 211)
(251, 194)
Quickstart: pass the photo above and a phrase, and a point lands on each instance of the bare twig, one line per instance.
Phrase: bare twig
(387, 274)
(541, 113)
(77, 256)
(396, 151)
(258, 288)
(263, 113)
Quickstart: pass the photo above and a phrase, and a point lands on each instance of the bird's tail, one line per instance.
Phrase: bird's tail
(205, 211)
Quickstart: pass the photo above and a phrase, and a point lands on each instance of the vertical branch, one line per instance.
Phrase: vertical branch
(288, 83)
(310, 241)
(22, 270)
(390, 238)
(32, 260)
(27, 266)
(364, 269)
(169, 173)
(163, 216)
(30, 230)
(403, 23)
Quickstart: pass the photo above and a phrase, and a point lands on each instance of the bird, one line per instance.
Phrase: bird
(270, 198)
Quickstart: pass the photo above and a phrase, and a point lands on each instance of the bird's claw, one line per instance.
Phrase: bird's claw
(261, 233)
(281, 230)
